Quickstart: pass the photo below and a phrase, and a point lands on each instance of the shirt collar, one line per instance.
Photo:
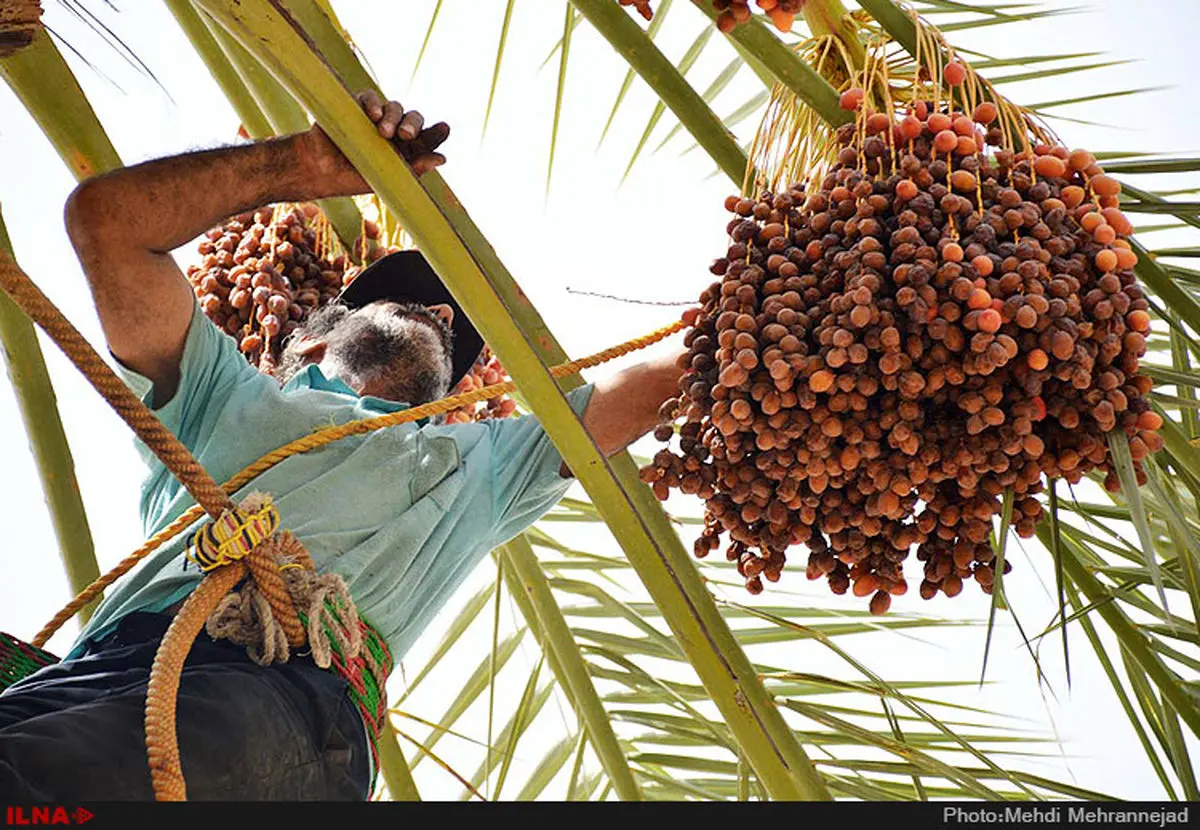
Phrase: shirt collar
(311, 377)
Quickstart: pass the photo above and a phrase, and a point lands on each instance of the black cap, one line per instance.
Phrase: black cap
(406, 277)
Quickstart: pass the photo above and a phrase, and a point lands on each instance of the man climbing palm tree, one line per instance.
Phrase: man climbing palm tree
(401, 514)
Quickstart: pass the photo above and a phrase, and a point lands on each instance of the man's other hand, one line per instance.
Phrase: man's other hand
(405, 129)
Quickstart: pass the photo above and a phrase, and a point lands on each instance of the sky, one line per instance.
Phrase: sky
(647, 238)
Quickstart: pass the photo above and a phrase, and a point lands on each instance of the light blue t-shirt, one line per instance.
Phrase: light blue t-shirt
(403, 513)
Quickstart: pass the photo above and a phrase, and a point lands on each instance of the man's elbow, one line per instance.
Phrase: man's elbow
(86, 215)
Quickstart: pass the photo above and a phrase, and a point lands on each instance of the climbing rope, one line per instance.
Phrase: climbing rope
(173, 454)
(162, 746)
(240, 539)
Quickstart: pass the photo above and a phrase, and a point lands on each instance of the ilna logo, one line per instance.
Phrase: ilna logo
(17, 816)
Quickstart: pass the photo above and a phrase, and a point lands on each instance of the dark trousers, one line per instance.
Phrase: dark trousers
(75, 731)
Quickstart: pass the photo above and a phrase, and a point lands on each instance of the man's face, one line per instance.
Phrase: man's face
(436, 320)
(397, 351)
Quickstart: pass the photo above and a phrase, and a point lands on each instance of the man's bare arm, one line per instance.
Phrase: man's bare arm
(625, 407)
(124, 225)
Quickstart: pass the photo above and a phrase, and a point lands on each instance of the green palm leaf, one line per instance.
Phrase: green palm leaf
(499, 57)
(565, 47)
(660, 17)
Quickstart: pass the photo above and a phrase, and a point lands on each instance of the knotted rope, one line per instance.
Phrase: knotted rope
(244, 616)
(234, 535)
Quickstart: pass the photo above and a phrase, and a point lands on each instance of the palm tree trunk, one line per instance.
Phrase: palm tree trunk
(47, 440)
(43, 82)
(532, 593)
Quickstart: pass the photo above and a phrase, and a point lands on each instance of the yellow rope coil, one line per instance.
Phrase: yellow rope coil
(233, 535)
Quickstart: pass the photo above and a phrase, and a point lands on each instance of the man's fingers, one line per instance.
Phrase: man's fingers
(415, 142)
(420, 154)
(424, 163)
(432, 137)
(393, 114)
(368, 99)
(411, 126)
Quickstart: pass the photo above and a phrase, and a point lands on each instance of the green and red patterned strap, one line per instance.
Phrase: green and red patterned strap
(367, 675)
(18, 660)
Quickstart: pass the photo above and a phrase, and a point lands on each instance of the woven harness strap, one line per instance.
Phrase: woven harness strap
(18, 660)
